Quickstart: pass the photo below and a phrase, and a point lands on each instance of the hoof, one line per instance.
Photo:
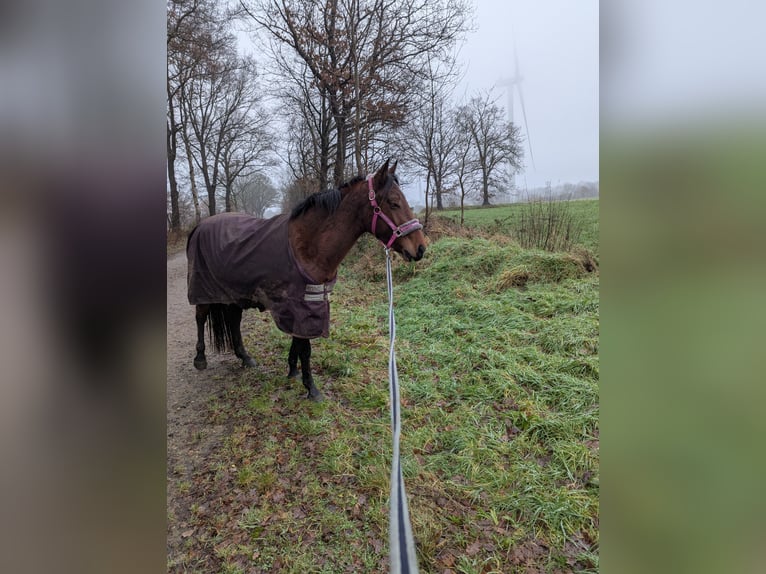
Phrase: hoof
(293, 373)
(248, 362)
(315, 395)
(200, 364)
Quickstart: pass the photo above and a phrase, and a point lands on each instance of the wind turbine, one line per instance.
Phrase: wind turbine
(510, 84)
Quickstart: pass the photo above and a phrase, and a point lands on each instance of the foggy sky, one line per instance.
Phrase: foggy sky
(558, 51)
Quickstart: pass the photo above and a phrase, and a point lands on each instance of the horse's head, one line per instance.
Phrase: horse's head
(393, 222)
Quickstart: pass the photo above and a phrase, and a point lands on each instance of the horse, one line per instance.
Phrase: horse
(288, 264)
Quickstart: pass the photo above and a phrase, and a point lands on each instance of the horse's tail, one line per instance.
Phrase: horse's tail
(220, 328)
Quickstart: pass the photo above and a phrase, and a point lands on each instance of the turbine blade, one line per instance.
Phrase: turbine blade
(526, 126)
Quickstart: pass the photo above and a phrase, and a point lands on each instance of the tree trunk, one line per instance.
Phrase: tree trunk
(358, 142)
(353, 36)
(172, 143)
(428, 186)
(210, 184)
(340, 152)
(210, 199)
(324, 152)
(485, 186)
(192, 178)
(175, 214)
(228, 195)
(438, 193)
(195, 199)
(462, 204)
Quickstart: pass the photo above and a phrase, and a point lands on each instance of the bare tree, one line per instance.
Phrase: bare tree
(189, 152)
(364, 58)
(294, 191)
(430, 137)
(467, 167)
(309, 141)
(180, 12)
(196, 40)
(246, 144)
(496, 142)
(216, 102)
(255, 194)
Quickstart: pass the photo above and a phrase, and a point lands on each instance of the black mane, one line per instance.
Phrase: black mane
(330, 199)
(352, 182)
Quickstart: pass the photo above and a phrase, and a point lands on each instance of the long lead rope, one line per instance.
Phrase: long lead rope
(402, 544)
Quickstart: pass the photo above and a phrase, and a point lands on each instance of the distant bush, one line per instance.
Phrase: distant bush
(548, 224)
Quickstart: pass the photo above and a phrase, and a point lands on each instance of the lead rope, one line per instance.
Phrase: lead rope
(402, 544)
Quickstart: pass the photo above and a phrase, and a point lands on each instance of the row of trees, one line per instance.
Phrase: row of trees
(351, 82)
(216, 123)
(467, 150)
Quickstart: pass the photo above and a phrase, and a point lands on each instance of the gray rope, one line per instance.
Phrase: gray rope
(402, 544)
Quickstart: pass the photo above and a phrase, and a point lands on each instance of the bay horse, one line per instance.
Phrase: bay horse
(288, 264)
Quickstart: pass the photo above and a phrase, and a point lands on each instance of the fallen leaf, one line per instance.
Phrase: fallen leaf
(377, 544)
(448, 560)
(473, 549)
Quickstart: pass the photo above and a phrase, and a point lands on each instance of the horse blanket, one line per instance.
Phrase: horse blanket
(240, 259)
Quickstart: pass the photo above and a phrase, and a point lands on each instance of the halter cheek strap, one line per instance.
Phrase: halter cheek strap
(397, 230)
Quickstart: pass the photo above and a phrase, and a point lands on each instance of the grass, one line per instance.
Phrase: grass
(499, 417)
(502, 219)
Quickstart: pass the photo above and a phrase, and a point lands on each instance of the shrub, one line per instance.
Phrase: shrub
(548, 224)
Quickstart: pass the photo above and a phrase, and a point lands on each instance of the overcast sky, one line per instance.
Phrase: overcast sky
(558, 51)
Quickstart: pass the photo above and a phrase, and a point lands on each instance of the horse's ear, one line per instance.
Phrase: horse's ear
(381, 176)
(392, 170)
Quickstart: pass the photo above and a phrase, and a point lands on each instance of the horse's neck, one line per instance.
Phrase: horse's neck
(320, 242)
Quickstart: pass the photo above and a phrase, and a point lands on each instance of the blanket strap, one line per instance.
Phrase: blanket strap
(319, 292)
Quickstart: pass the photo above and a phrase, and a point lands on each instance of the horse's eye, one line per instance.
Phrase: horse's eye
(394, 205)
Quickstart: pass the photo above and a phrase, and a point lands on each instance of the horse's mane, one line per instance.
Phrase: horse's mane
(330, 199)
(327, 201)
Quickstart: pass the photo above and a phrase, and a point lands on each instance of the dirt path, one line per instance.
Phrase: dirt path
(190, 435)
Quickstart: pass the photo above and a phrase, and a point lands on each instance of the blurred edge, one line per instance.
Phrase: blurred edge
(82, 253)
(82, 256)
(683, 175)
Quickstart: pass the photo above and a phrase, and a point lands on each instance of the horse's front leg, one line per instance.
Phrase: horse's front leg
(292, 359)
(303, 349)
(200, 314)
(234, 317)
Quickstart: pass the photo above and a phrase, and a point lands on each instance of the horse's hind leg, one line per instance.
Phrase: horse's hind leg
(303, 348)
(201, 313)
(234, 317)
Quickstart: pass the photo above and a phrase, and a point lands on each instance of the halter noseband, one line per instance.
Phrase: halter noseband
(398, 230)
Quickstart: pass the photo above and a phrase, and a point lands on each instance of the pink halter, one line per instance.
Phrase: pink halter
(398, 230)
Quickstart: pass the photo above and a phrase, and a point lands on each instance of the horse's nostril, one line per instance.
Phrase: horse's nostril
(421, 251)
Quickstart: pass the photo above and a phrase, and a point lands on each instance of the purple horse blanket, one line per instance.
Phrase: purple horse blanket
(240, 259)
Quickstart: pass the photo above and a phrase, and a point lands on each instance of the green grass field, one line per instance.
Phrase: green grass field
(502, 218)
(497, 349)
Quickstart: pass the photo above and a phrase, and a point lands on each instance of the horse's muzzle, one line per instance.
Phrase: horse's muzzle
(418, 255)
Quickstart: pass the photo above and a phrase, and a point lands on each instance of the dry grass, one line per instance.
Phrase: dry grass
(514, 277)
